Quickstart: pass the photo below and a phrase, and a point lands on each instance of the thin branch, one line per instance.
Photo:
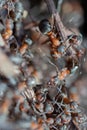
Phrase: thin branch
(62, 31)
(58, 23)
(59, 5)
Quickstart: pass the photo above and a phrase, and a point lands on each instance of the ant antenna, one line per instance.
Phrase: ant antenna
(79, 38)
(57, 70)
(49, 60)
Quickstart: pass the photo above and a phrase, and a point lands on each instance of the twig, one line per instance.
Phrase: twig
(59, 5)
(58, 23)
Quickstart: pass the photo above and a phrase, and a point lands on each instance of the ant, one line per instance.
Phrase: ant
(60, 76)
(45, 28)
(60, 47)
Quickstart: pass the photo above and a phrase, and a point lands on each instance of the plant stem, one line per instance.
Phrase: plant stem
(58, 23)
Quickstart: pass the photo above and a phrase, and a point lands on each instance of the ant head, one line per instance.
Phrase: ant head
(76, 39)
(45, 26)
